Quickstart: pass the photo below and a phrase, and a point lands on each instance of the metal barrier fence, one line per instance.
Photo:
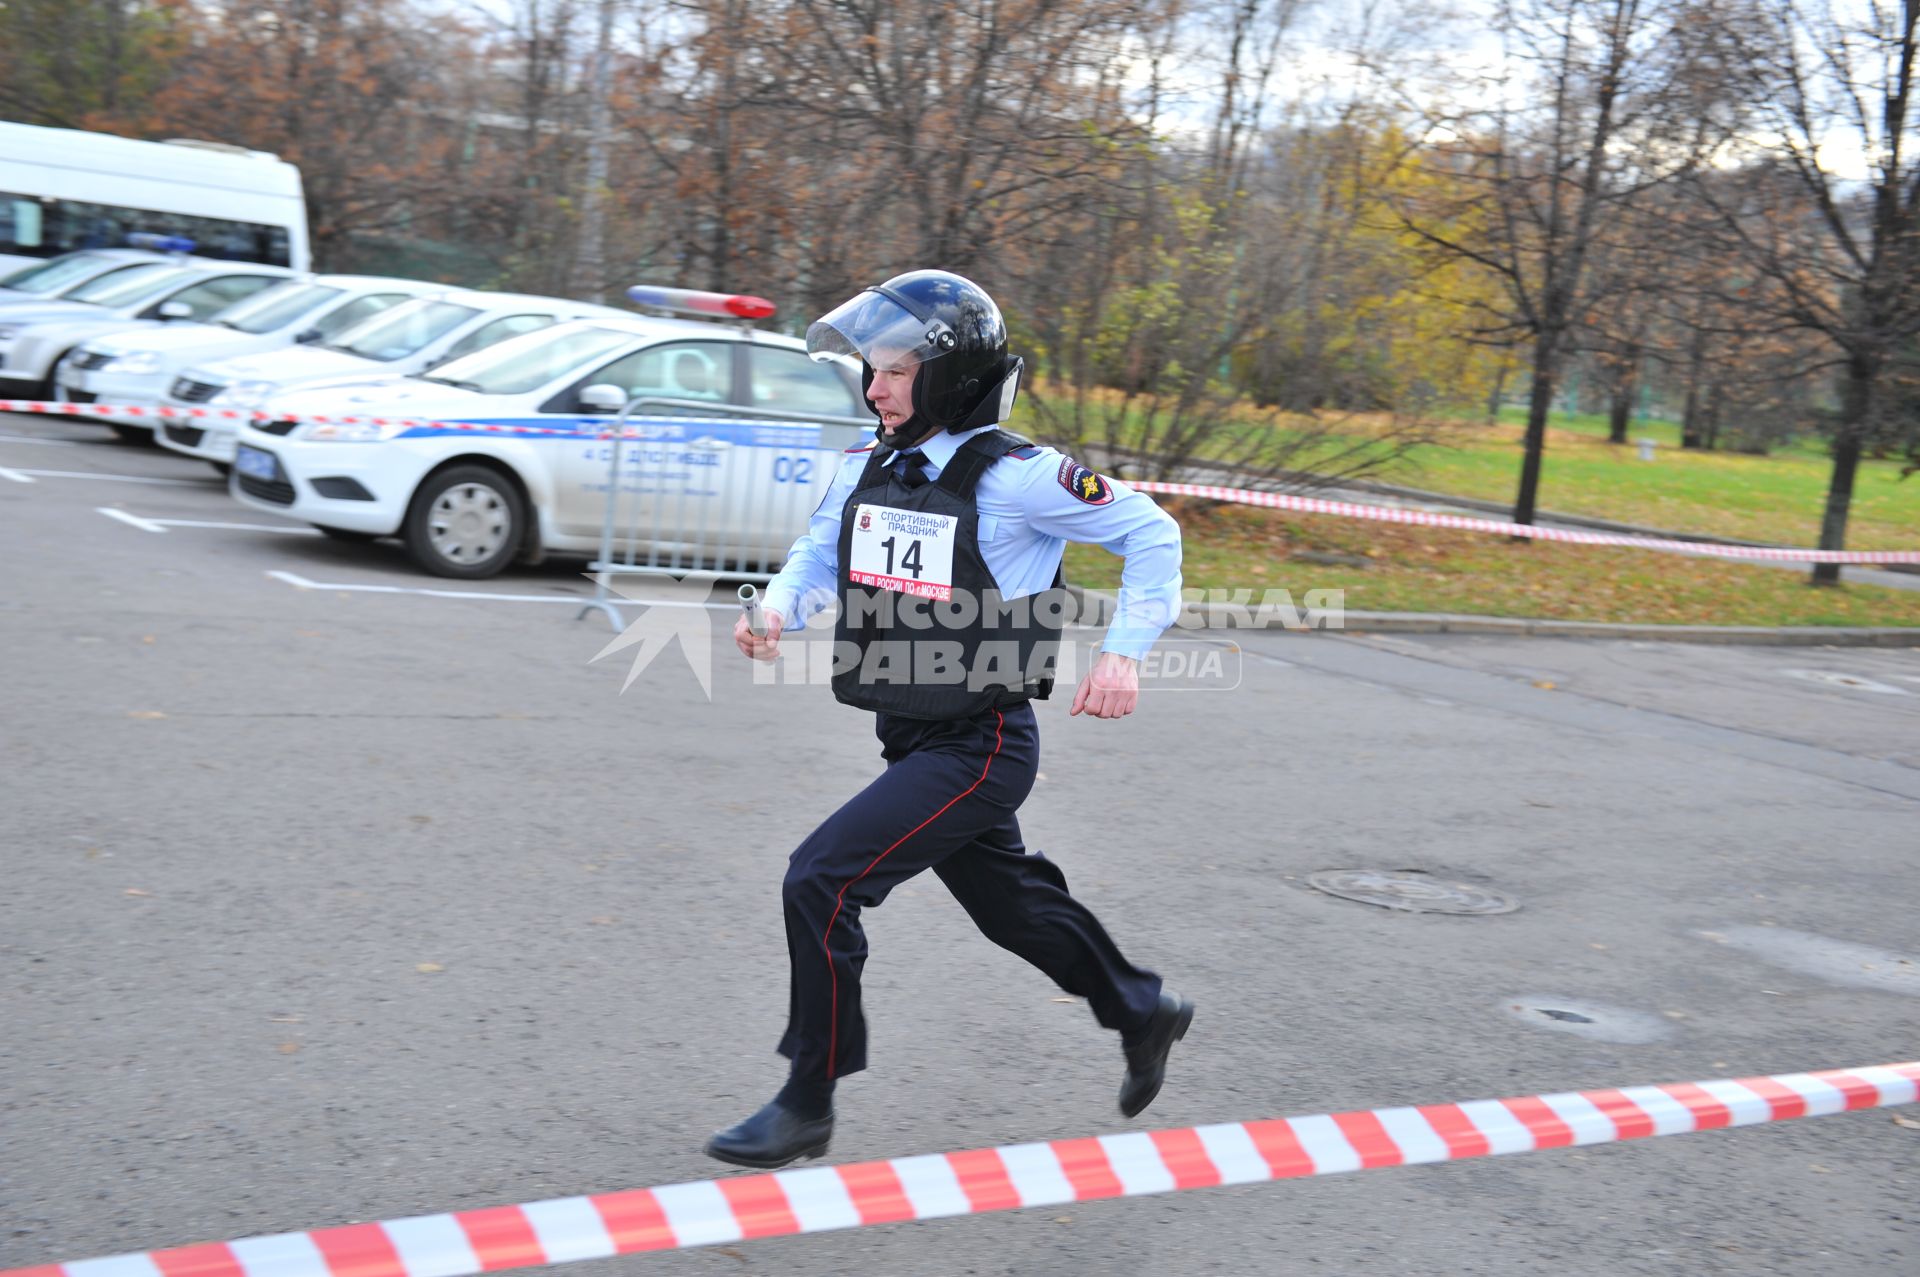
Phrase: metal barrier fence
(693, 488)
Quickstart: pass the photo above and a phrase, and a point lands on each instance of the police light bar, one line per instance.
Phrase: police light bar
(693, 302)
(160, 243)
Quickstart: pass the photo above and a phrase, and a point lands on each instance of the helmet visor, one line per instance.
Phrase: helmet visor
(879, 330)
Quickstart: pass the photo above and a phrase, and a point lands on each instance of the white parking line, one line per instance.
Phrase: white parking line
(299, 582)
(290, 529)
(51, 443)
(14, 475)
(145, 525)
(116, 478)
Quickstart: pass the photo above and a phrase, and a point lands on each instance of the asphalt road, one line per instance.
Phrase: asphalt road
(326, 904)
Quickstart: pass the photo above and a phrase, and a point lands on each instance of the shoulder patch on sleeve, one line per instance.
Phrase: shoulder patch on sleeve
(1025, 452)
(1086, 485)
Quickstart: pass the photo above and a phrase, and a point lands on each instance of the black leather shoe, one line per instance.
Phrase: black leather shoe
(1147, 1062)
(771, 1138)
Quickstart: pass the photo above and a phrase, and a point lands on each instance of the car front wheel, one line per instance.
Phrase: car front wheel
(465, 522)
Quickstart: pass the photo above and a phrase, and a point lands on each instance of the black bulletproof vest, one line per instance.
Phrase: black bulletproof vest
(921, 642)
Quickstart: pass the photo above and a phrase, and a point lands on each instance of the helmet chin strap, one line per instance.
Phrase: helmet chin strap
(908, 434)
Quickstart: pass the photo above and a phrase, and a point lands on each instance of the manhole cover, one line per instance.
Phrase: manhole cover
(1852, 682)
(1411, 891)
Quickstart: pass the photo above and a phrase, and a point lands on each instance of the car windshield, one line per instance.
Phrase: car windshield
(276, 307)
(401, 331)
(43, 278)
(125, 287)
(530, 361)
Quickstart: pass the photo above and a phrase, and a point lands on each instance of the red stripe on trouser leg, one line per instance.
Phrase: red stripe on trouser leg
(983, 1178)
(635, 1221)
(1629, 1120)
(1860, 1093)
(874, 1188)
(1707, 1111)
(359, 1250)
(1278, 1145)
(1186, 1158)
(502, 1237)
(1547, 1128)
(1369, 1139)
(759, 1206)
(826, 937)
(1463, 1138)
(1783, 1100)
(211, 1260)
(1085, 1164)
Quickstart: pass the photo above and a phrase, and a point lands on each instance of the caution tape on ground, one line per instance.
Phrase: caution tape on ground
(1006, 1178)
(1579, 536)
(1243, 496)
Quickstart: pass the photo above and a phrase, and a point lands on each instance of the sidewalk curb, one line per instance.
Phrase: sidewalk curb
(1218, 618)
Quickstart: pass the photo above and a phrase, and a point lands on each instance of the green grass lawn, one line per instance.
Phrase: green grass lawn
(1776, 498)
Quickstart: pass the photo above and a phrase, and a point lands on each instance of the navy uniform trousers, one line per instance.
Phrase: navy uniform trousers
(946, 802)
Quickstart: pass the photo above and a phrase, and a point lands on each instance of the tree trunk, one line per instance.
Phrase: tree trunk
(1690, 416)
(1539, 402)
(1620, 409)
(1856, 399)
(1497, 396)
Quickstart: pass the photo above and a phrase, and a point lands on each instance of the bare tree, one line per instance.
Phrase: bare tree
(1615, 100)
(1828, 211)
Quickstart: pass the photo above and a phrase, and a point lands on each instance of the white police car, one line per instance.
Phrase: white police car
(58, 276)
(135, 366)
(35, 338)
(411, 337)
(742, 435)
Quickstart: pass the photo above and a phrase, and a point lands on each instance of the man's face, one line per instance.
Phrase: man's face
(891, 393)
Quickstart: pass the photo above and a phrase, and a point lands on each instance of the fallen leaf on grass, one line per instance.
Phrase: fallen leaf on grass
(1901, 1119)
(135, 891)
(428, 968)
(1543, 685)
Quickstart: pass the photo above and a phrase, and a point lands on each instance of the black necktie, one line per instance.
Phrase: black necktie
(908, 468)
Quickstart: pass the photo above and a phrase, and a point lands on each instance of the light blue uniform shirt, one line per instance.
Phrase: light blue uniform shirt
(1028, 513)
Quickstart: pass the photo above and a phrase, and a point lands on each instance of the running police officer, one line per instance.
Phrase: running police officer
(941, 543)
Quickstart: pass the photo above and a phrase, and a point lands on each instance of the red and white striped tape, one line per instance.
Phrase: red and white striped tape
(1423, 518)
(1007, 1178)
(1271, 500)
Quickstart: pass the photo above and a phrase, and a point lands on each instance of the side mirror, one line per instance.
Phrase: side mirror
(602, 397)
(176, 310)
(308, 337)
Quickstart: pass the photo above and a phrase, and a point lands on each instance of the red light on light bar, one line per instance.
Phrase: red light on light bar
(692, 301)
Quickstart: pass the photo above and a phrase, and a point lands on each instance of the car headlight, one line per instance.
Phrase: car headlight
(350, 432)
(246, 394)
(144, 361)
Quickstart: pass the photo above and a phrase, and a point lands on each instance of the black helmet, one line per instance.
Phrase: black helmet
(944, 322)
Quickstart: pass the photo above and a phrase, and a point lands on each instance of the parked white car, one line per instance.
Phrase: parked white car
(34, 339)
(468, 501)
(410, 338)
(136, 366)
(58, 276)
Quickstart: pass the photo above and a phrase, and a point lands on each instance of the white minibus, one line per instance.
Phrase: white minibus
(63, 190)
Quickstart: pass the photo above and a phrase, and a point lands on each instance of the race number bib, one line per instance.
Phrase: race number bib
(904, 550)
